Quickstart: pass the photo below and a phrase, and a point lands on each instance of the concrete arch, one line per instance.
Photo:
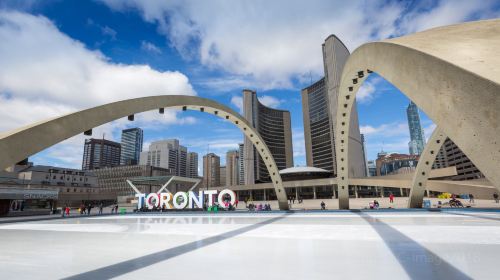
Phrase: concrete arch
(424, 166)
(451, 73)
(21, 143)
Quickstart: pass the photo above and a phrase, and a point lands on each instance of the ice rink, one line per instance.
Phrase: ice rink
(314, 245)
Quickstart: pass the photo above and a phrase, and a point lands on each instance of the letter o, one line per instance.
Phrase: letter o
(184, 202)
(150, 197)
(230, 193)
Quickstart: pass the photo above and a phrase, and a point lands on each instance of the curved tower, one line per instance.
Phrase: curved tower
(274, 126)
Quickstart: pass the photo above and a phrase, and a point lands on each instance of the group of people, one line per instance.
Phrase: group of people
(85, 209)
(259, 207)
(374, 204)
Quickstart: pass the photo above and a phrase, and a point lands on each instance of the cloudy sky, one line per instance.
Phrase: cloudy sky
(60, 56)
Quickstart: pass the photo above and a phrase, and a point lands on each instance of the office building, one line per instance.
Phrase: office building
(131, 146)
(100, 153)
(222, 174)
(451, 155)
(211, 170)
(167, 154)
(319, 107)
(192, 165)
(417, 137)
(394, 163)
(274, 126)
(232, 168)
(241, 165)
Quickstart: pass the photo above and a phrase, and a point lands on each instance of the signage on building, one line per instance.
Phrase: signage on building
(182, 200)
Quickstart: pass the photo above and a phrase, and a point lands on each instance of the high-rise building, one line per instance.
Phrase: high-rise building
(417, 138)
(192, 165)
(166, 154)
(319, 107)
(232, 174)
(100, 153)
(241, 165)
(222, 174)
(211, 170)
(131, 146)
(451, 155)
(274, 126)
(393, 163)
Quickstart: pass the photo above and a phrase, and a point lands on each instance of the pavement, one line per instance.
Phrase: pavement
(357, 244)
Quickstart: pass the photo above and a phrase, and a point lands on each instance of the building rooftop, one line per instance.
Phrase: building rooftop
(303, 169)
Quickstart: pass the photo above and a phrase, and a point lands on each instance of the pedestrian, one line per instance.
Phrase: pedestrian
(391, 198)
(67, 211)
(116, 208)
(323, 205)
(471, 198)
(236, 203)
(495, 196)
(100, 208)
(63, 210)
(89, 207)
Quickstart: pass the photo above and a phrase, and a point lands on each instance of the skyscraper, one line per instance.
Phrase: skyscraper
(241, 165)
(131, 146)
(192, 165)
(417, 138)
(319, 106)
(100, 153)
(232, 174)
(166, 154)
(211, 170)
(222, 176)
(274, 126)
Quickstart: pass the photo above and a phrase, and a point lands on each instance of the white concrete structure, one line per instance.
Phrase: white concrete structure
(19, 144)
(451, 73)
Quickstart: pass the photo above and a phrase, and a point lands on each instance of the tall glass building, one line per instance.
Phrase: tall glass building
(417, 138)
(132, 139)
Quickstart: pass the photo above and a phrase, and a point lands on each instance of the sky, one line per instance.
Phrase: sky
(58, 57)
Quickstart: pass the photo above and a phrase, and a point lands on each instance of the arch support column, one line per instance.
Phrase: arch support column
(424, 166)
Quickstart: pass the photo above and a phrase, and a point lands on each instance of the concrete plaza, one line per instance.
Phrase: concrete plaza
(452, 244)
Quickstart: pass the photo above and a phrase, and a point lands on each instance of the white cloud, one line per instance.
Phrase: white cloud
(268, 42)
(271, 43)
(270, 101)
(368, 91)
(444, 13)
(44, 73)
(238, 102)
(386, 130)
(150, 47)
(108, 31)
(299, 146)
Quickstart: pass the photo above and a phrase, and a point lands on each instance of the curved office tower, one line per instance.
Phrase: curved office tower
(319, 105)
(274, 127)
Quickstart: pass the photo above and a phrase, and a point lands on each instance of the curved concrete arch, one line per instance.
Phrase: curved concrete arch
(424, 166)
(21, 143)
(451, 73)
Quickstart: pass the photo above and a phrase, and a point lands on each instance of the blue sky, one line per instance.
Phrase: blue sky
(60, 56)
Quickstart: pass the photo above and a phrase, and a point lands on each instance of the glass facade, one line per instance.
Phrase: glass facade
(131, 146)
(417, 138)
